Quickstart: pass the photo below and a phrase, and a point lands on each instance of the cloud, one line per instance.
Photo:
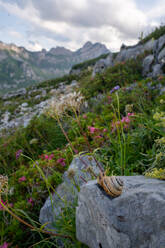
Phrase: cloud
(34, 46)
(71, 23)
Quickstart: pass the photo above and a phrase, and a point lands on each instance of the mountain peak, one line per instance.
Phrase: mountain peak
(60, 51)
(87, 44)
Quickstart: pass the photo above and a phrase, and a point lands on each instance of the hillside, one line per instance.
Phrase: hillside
(110, 112)
(20, 68)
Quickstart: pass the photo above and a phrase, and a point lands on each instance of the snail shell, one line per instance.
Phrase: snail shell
(113, 186)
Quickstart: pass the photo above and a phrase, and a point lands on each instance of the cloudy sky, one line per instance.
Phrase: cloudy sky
(37, 24)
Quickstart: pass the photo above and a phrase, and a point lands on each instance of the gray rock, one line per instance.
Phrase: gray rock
(99, 67)
(149, 45)
(147, 63)
(37, 97)
(74, 83)
(44, 93)
(161, 43)
(156, 71)
(161, 56)
(109, 60)
(24, 105)
(133, 220)
(131, 52)
(67, 191)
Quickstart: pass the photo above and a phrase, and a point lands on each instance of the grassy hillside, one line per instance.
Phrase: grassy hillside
(122, 124)
(156, 34)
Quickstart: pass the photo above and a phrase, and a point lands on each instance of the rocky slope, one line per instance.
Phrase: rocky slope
(21, 68)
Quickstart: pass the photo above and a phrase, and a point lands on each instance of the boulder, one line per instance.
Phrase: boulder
(156, 71)
(161, 56)
(67, 192)
(99, 67)
(147, 64)
(136, 219)
(161, 43)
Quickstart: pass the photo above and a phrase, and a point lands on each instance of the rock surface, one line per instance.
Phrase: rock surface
(136, 219)
(67, 191)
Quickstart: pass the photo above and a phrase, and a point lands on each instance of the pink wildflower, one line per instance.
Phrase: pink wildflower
(30, 200)
(61, 161)
(104, 130)
(92, 129)
(46, 156)
(5, 245)
(125, 120)
(51, 156)
(130, 114)
(85, 116)
(22, 179)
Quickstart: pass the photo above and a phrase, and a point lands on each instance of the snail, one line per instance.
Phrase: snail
(112, 185)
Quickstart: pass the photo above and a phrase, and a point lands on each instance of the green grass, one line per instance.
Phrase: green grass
(156, 34)
(129, 148)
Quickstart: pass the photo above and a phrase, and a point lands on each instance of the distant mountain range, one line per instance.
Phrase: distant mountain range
(21, 68)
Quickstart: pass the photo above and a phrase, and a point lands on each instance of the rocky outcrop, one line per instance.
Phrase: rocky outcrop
(147, 64)
(153, 63)
(102, 64)
(131, 52)
(133, 220)
(23, 113)
(67, 191)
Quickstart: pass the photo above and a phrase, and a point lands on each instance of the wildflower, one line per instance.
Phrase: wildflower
(22, 179)
(46, 156)
(5, 245)
(85, 116)
(3, 184)
(92, 129)
(130, 114)
(125, 120)
(30, 200)
(51, 156)
(58, 107)
(117, 87)
(104, 130)
(61, 161)
(18, 154)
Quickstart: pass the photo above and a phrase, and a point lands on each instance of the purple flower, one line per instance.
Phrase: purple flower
(117, 87)
(5, 245)
(18, 154)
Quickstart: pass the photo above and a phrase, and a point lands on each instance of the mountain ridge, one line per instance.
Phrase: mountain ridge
(21, 68)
